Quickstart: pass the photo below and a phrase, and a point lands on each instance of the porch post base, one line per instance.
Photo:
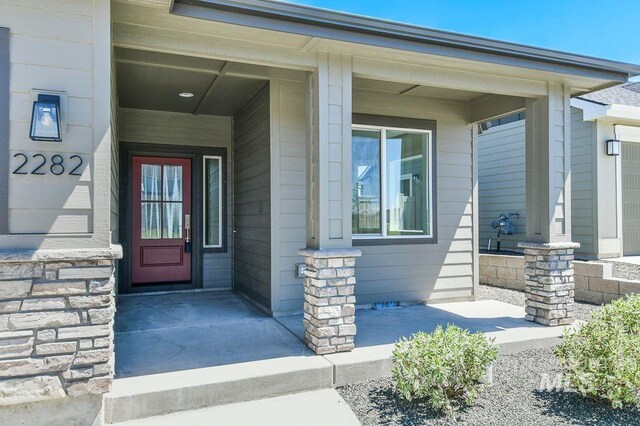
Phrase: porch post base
(549, 282)
(56, 325)
(329, 300)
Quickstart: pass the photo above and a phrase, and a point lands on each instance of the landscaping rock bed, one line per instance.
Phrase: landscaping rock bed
(517, 397)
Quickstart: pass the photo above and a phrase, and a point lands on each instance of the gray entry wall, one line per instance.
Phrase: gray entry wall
(252, 200)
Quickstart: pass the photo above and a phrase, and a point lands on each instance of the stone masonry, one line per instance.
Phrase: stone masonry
(56, 324)
(549, 282)
(329, 299)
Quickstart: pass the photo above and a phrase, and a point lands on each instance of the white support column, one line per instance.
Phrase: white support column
(549, 280)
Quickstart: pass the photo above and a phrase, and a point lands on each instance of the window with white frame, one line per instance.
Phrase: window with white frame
(212, 197)
(391, 182)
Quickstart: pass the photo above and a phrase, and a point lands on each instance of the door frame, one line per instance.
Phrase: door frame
(128, 150)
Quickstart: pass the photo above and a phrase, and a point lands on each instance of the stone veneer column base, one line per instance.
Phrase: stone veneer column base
(549, 282)
(329, 300)
(56, 323)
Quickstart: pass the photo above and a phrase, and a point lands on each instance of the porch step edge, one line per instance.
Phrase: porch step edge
(146, 396)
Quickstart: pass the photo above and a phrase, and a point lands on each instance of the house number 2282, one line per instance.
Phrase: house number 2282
(39, 164)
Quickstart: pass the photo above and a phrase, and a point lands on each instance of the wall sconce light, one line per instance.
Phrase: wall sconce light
(45, 119)
(613, 147)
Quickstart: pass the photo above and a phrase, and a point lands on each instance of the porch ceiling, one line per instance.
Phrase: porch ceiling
(414, 90)
(153, 81)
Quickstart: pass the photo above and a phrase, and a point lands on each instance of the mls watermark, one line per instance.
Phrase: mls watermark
(556, 382)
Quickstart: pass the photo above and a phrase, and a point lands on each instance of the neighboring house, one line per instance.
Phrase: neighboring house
(206, 142)
(605, 191)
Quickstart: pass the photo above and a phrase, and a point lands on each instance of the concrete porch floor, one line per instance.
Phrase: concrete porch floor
(499, 320)
(182, 352)
(183, 331)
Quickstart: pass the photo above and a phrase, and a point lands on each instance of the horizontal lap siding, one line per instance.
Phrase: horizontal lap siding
(290, 134)
(501, 181)
(583, 138)
(157, 127)
(419, 272)
(502, 185)
(252, 200)
(52, 47)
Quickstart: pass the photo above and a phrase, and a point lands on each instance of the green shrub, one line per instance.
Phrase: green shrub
(602, 358)
(444, 367)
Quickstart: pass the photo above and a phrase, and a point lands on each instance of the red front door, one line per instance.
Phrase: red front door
(161, 209)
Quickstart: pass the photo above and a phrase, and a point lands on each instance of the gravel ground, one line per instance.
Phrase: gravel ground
(515, 398)
(582, 312)
(627, 271)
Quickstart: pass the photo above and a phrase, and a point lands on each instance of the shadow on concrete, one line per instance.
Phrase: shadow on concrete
(382, 327)
(174, 332)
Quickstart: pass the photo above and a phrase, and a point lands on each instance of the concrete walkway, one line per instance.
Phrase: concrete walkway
(317, 408)
(174, 332)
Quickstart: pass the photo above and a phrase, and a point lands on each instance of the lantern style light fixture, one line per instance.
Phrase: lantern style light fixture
(45, 119)
(613, 147)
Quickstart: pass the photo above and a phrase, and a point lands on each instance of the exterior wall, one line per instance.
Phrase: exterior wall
(583, 171)
(56, 325)
(252, 200)
(59, 46)
(501, 181)
(431, 272)
(502, 184)
(594, 282)
(289, 136)
(156, 127)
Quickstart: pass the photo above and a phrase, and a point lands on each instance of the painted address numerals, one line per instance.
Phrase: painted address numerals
(39, 164)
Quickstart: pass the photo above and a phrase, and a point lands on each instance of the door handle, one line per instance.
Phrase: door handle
(187, 229)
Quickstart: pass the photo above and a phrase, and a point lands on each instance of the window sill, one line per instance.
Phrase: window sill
(392, 241)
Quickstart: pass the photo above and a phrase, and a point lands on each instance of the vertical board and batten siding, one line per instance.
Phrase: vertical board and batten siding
(583, 169)
(52, 48)
(252, 200)
(158, 127)
(501, 181)
(426, 272)
(289, 136)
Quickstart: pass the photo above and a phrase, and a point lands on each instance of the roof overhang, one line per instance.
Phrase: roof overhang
(325, 24)
(595, 110)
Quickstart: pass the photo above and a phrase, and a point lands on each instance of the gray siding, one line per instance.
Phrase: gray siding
(583, 143)
(252, 200)
(501, 181)
(186, 129)
(289, 206)
(426, 272)
(115, 155)
(502, 185)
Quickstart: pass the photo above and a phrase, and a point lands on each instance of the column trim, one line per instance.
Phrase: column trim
(5, 69)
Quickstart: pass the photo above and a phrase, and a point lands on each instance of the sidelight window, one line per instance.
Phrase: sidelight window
(212, 201)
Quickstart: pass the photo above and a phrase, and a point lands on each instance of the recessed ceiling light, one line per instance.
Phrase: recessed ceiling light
(185, 95)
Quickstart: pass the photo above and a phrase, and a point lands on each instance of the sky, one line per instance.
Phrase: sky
(600, 28)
